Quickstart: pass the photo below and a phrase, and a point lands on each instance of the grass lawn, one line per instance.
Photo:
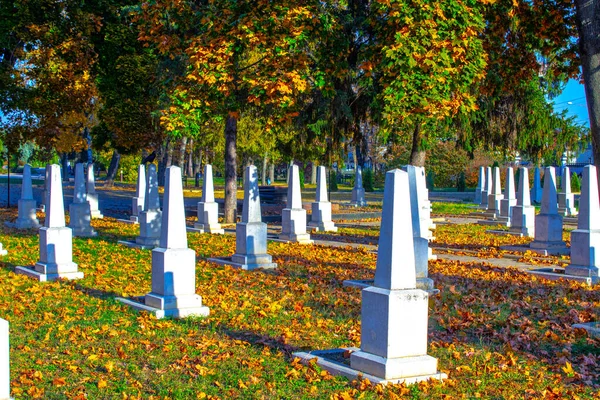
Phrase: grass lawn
(498, 333)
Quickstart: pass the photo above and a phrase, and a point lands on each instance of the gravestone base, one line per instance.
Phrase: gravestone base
(545, 249)
(358, 198)
(42, 277)
(554, 274)
(496, 221)
(188, 307)
(394, 368)
(150, 226)
(92, 198)
(321, 217)
(247, 262)
(592, 328)
(135, 245)
(322, 226)
(588, 271)
(302, 238)
(79, 222)
(137, 206)
(27, 218)
(334, 362)
(214, 229)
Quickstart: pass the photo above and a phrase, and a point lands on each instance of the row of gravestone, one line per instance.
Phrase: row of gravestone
(546, 228)
(394, 311)
(489, 195)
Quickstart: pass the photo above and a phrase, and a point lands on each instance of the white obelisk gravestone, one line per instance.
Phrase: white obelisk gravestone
(56, 240)
(536, 191)
(80, 210)
(320, 220)
(4, 361)
(358, 191)
(510, 199)
(495, 196)
(480, 185)
(208, 209)
(251, 233)
(173, 263)
(548, 223)
(27, 205)
(293, 217)
(566, 199)
(150, 218)
(585, 240)
(394, 313)
(488, 187)
(137, 202)
(92, 196)
(523, 214)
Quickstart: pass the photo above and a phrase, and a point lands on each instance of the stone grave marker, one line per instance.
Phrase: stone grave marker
(80, 211)
(293, 217)
(56, 240)
(92, 196)
(251, 232)
(173, 263)
(208, 209)
(321, 208)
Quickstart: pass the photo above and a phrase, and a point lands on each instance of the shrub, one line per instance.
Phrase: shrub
(461, 184)
(332, 178)
(575, 183)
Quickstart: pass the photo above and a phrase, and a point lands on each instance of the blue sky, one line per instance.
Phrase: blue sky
(572, 99)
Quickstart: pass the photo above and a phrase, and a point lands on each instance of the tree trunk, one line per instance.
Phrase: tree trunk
(313, 172)
(64, 160)
(111, 174)
(190, 159)
(181, 154)
(198, 161)
(230, 169)
(588, 26)
(264, 168)
(162, 155)
(417, 155)
(272, 172)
